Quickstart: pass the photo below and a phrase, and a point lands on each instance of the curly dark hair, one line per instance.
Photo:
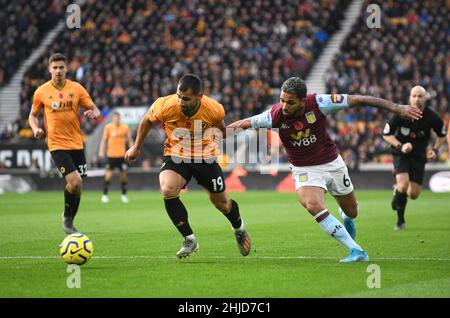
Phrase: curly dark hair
(295, 86)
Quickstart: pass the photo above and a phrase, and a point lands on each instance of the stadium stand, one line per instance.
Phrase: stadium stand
(22, 25)
(130, 53)
(410, 48)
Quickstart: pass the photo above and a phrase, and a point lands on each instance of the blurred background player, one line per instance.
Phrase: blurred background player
(316, 165)
(188, 116)
(115, 137)
(409, 141)
(60, 99)
(448, 144)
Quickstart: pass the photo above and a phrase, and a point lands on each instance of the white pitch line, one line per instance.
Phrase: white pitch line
(439, 259)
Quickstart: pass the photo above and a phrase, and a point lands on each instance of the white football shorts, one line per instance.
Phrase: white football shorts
(332, 176)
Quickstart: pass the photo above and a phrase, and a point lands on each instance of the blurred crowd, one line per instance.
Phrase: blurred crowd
(128, 53)
(22, 26)
(411, 48)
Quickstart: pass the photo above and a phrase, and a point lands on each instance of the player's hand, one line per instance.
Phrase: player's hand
(38, 133)
(431, 155)
(90, 114)
(132, 154)
(407, 147)
(409, 112)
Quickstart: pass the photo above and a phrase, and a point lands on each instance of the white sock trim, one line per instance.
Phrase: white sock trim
(320, 213)
(242, 227)
(190, 237)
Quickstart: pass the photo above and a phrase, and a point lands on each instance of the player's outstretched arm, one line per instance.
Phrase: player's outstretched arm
(243, 123)
(238, 126)
(144, 128)
(405, 111)
(33, 119)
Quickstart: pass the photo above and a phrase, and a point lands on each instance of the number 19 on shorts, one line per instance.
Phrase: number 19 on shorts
(217, 184)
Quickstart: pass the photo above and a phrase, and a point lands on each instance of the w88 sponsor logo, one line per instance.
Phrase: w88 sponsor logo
(305, 142)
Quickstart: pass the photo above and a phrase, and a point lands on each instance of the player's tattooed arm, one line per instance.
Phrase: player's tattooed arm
(405, 111)
(243, 123)
(238, 126)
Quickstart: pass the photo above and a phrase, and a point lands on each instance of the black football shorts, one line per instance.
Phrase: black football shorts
(410, 164)
(208, 175)
(118, 163)
(68, 161)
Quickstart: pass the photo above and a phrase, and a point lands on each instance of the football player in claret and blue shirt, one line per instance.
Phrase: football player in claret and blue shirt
(314, 159)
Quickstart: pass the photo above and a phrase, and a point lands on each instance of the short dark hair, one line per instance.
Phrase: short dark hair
(116, 113)
(295, 86)
(57, 57)
(190, 81)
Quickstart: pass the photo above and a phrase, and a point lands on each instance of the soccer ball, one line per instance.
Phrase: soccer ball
(76, 249)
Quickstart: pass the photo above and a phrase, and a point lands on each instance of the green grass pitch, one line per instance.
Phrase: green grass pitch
(135, 246)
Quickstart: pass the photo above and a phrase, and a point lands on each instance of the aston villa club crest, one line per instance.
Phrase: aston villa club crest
(303, 177)
(298, 125)
(310, 117)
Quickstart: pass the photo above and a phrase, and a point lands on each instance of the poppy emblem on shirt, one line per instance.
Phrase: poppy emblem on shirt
(298, 125)
(413, 135)
(336, 98)
(61, 95)
(310, 117)
(188, 124)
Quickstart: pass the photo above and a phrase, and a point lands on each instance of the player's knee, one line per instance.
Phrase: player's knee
(75, 185)
(313, 206)
(352, 212)
(402, 187)
(169, 191)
